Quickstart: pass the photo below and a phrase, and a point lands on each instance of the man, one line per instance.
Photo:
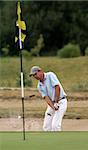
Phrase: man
(54, 95)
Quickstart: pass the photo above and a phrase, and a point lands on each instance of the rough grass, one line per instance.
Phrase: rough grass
(72, 72)
(11, 105)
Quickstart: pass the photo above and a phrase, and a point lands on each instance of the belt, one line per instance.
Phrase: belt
(61, 98)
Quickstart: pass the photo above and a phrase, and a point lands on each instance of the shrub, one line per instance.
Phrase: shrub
(35, 51)
(5, 51)
(27, 81)
(82, 86)
(40, 44)
(70, 50)
(25, 53)
(86, 51)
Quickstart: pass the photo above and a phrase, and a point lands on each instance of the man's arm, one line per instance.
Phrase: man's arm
(57, 93)
(49, 102)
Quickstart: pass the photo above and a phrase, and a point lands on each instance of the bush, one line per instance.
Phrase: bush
(5, 51)
(27, 81)
(82, 86)
(25, 53)
(35, 51)
(86, 51)
(70, 50)
(40, 44)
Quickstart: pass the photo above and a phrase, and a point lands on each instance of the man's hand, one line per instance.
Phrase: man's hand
(51, 103)
(56, 105)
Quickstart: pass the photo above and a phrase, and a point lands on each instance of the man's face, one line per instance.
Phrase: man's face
(39, 75)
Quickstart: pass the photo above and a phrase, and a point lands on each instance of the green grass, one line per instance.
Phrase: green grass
(72, 72)
(44, 141)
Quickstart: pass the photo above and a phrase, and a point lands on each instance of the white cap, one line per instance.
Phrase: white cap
(34, 70)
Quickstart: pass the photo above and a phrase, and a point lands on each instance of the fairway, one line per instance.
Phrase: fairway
(44, 141)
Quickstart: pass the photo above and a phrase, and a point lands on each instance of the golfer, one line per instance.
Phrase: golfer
(53, 93)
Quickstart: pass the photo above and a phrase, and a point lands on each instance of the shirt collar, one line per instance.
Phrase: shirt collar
(44, 79)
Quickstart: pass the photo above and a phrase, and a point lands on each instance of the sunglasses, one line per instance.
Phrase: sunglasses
(34, 74)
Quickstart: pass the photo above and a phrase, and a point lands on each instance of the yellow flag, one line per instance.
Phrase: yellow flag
(23, 37)
(18, 10)
(20, 24)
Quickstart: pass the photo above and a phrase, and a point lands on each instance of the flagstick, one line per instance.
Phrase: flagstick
(22, 84)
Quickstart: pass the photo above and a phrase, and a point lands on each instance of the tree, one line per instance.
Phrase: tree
(60, 23)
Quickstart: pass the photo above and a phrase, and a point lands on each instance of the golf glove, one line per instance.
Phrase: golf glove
(56, 105)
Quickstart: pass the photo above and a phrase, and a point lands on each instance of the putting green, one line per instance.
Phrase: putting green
(44, 141)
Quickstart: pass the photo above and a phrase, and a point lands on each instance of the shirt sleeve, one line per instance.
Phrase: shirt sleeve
(54, 80)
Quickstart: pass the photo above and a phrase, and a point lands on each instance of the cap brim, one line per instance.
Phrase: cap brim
(30, 75)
